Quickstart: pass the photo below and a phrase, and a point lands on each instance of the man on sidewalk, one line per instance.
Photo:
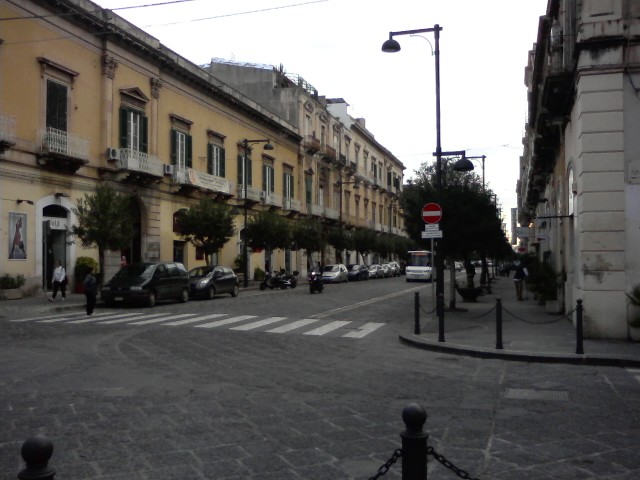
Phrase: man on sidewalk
(518, 277)
(59, 281)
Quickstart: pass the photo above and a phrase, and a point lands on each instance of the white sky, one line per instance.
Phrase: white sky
(335, 45)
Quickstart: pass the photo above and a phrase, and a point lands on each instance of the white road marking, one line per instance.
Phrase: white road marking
(92, 318)
(364, 330)
(158, 320)
(195, 319)
(259, 323)
(292, 326)
(64, 319)
(128, 319)
(329, 327)
(226, 321)
(44, 317)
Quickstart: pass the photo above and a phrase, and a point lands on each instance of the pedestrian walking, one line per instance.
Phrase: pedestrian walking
(90, 290)
(520, 273)
(59, 281)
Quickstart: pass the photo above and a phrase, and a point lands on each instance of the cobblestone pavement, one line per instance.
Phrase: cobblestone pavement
(160, 403)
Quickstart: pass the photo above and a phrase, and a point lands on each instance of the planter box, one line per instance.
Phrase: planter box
(469, 294)
(11, 294)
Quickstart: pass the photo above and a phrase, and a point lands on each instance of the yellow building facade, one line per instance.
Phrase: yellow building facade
(88, 99)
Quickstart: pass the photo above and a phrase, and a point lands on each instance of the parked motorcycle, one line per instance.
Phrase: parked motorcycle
(280, 280)
(316, 283)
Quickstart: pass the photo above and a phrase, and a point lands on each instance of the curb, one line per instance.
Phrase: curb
(513, 355)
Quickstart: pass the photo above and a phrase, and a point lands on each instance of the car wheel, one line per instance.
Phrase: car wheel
(211, 294)
(184, 296)
(151, 299)
(236, 289)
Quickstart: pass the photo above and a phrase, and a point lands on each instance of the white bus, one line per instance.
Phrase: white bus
(419, 267)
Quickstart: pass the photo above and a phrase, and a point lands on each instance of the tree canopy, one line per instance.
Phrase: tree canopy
(268, 230)
(104, 221)
(207, 225)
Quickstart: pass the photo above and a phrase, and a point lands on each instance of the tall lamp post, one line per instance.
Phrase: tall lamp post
(245, 187)
(392, 46)
(465, 165)
(356, 185)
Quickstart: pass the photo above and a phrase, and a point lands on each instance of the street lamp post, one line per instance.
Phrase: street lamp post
(245, 186)
(465, 165)
(392, 46)
(356, 185)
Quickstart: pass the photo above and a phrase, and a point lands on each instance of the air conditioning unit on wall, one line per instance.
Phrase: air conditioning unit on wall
(168, 169)
(113, 154)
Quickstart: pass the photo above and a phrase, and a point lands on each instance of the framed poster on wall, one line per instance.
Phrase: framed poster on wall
(17, 236)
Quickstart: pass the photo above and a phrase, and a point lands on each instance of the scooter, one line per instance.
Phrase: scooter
(280, 280)
(316, 283)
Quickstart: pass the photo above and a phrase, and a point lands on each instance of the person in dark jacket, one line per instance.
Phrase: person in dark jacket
(90, 285)
(520, 273)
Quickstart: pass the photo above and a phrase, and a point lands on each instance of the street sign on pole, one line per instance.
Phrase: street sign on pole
(432, 234)
(431, 213)
(431, 226)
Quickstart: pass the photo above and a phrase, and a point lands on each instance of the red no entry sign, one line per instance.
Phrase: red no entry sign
(431, 213)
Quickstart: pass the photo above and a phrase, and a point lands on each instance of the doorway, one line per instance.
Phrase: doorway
(54, 241)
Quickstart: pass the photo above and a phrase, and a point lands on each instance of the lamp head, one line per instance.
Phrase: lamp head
(391, 46)
(268, 146)
(463, 165)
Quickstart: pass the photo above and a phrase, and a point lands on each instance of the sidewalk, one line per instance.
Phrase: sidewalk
(529, 333)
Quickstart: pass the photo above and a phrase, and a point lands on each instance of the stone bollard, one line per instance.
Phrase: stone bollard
(36, 453)
(416, 313)
(498, 324)
(414, 443)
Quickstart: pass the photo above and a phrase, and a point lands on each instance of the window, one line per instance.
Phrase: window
(357, 207)
(215, 160)
(287, 185)
(268, 182)
(56, 115)
(309, 189)
(241, 171)
(321, 195)
(336, 197)
(373, 212)
(181, 147)
(133, 129)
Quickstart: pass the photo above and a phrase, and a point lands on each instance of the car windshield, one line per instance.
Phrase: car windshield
(142, 270)
(331, 268)
(200, 271)
(355, 268)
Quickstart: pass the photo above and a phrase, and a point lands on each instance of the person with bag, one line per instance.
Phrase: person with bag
(518, 277)
(59, 281)
(90, 285)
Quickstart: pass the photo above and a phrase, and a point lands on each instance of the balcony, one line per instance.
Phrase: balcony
(331, 213)
(291, 204)
(252, 194)
(270, 198)
(7, 132)
(134, 161)
(329, 153)
(342, 160)
(315, 209)
(352, 166)
(311, 144)
(61, 151)
(185, 176)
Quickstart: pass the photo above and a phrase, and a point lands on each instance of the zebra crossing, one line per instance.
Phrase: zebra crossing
(241, 323)
(635, 372)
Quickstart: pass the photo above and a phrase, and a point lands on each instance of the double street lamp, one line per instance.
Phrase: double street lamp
(245, 186)
(465, 165)
(392, 46)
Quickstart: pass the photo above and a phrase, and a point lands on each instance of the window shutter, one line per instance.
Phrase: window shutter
(56, 105)
(272, 181)
(309, 183)
(264, 178)
(124, 117)
(284, 185)
(249, 170)
(174, 137)
(188, 147)
(222, 166)
(240, 159)
(144, 141)
(209, 159)
(292, 183)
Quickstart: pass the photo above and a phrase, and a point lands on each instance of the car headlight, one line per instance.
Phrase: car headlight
(135, 288)
(204, 282)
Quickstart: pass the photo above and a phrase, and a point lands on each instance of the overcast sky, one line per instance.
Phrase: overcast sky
(335, 45)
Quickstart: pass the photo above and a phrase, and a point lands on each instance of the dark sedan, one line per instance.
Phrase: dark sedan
(209, 281)
(358, 272)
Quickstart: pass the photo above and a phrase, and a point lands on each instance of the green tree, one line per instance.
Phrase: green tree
(268, 230)
(207, 225)
(308, 236)
(104, 221)
(341, 240)
(364, 242)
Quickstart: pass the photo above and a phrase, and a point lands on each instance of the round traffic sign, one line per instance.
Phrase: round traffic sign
(431, 213)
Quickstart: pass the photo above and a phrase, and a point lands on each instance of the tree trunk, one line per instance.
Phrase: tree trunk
(452, 286)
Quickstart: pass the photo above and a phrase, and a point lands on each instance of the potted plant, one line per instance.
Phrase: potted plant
(634, 320)
(80, 271)
(10, 286)
(470, 292)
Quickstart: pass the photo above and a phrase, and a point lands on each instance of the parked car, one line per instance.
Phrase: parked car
(395, 268)
(209, 281)
(336, 273)
(358, 272)
(375, 271)
(147, 283)
(386, 270)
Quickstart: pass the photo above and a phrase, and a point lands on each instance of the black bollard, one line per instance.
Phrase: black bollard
(440, 312)
(416, 313)
(498, 324)
(414, 443)
(579, 348)
(36, 452)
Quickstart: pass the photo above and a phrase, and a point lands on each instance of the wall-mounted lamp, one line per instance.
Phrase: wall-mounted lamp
(61, 194)
(20, 200)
